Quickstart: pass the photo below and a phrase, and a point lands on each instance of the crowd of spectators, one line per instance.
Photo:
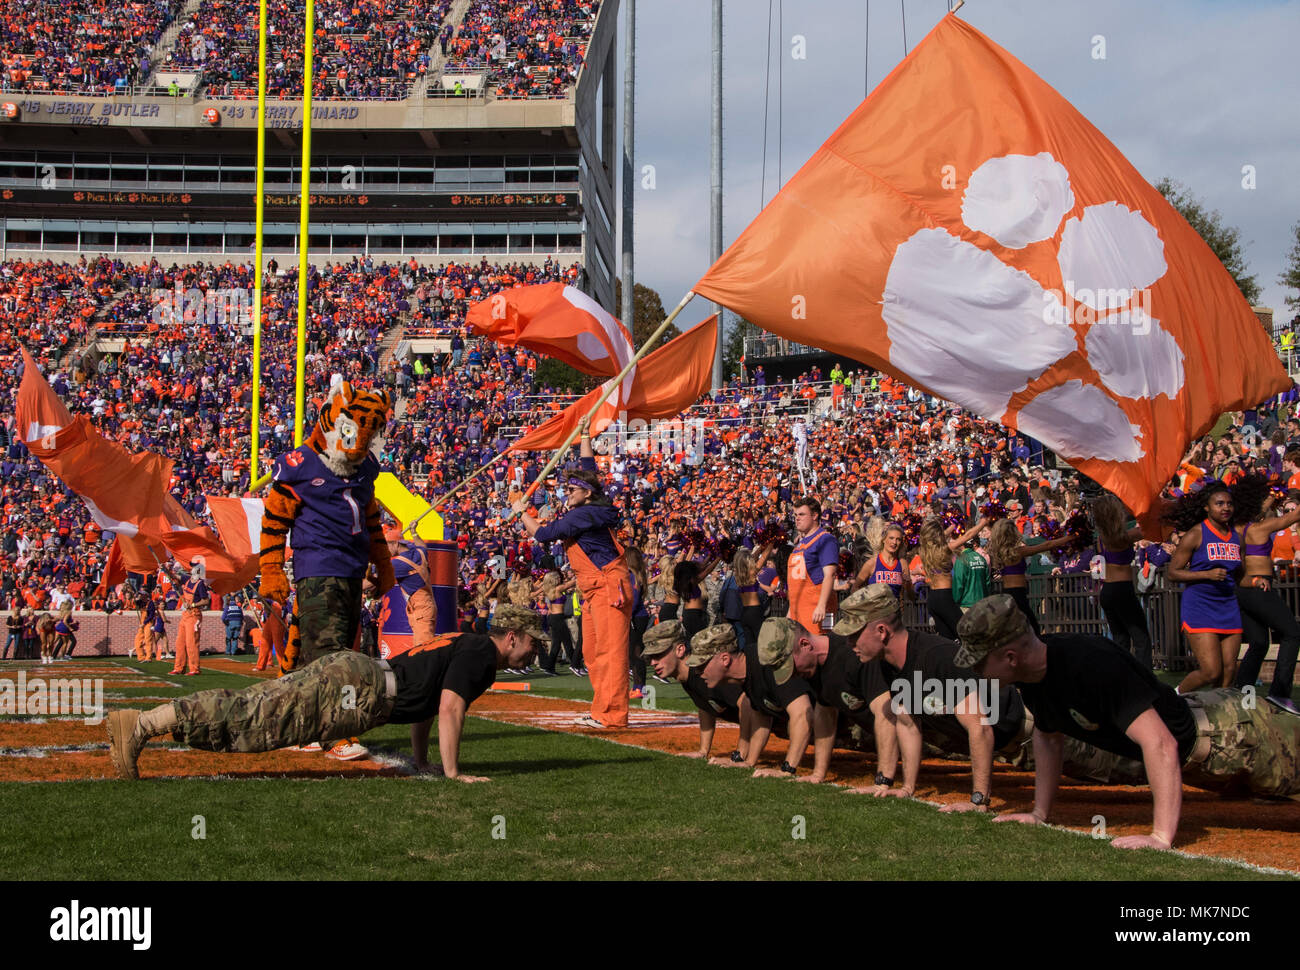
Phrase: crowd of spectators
(531, 49)
(81, 46)
(181, 385)
(362, 49)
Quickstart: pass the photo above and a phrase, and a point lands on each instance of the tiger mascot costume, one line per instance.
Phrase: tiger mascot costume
(324, 492)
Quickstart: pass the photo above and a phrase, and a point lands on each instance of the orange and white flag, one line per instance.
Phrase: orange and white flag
(669, 380)
(123, 491)
(968, 231)
(239, 522)
(558, 321)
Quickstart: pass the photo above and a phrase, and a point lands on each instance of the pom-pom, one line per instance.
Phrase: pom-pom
(910, 523)
(953, 518)
(1049, 528)
(993, 510)
(725, 547)
(1079, 527)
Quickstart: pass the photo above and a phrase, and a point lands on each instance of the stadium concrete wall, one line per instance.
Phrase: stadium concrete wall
(104, 635)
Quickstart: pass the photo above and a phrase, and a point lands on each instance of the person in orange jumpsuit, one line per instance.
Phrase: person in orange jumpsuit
(195, 598)
(587, 530)
(144, 638)
(810, 573)
(269, 634)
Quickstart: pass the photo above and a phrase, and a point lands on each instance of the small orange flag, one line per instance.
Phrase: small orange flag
(558, 321)
(668, 381)
(968, 231)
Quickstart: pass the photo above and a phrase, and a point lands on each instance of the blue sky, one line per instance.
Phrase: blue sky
(1190, 90)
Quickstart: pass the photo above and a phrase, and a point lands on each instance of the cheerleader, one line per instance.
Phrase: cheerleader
(687, 577)
(1208, 562)
(640, 619)
(65, 633)
(1119, 602)
(665, 594)
(1263, 611)
(45, 628)
(1007, 553)
(886, 566)
(939, 543)
(555, 591)
(753, 596)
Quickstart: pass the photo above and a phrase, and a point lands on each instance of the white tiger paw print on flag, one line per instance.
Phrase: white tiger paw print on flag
(952, 307)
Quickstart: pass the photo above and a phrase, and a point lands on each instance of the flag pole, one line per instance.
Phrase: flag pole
(255, 444)
(446, 498)
(609, 389)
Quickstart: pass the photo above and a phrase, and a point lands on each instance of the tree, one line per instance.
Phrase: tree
(647, 313)
(1290, 277)
(559, 375)
(1225, 241)
(733, 348)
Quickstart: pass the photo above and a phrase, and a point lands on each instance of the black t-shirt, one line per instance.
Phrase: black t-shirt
(1093, 691)
(723, 701)
(847, 684)
(934, 684)
(466, 665)
(765, 695)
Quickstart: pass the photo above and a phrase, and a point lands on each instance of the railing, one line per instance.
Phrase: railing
(38, 86)
(1071, 604)
(773, 346)
(1288, 356)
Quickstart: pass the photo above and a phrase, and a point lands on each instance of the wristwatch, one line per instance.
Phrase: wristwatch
(882, 779)
(979, 798)
(788, 768)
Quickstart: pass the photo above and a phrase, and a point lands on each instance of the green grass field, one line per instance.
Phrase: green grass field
(568, 806)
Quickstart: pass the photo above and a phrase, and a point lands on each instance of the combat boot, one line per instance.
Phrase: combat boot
(129, 731)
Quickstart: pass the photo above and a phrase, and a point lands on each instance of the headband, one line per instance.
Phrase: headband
(585, 486)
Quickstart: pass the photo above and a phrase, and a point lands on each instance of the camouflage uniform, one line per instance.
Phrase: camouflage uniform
(1242, 746)
(1238, 745)
(329, 615)
(341, 695)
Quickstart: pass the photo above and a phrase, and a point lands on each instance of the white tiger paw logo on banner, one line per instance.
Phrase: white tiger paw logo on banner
(951, 307)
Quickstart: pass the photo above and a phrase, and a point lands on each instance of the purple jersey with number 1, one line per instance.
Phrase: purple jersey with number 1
(329, 537)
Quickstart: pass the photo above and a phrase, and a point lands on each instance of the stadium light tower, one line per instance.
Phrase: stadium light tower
(715, 182)
(629, 142)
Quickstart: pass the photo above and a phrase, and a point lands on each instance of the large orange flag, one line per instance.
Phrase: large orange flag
(967, 230)
(558, 321)
(668, 381)
(123, 491)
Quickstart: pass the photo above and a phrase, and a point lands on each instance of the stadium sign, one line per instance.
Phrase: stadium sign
(412, 202)
(146, 111)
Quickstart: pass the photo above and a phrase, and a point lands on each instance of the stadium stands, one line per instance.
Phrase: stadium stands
(363, 49)
(531, 49)
(81, 46)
